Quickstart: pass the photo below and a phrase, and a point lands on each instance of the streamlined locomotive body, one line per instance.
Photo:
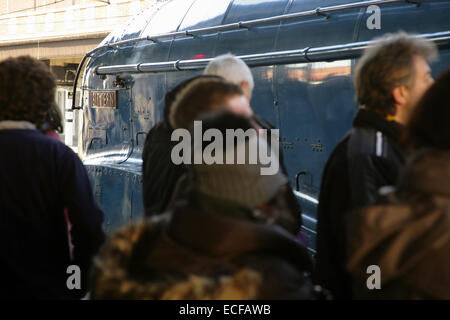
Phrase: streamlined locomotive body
(301, 53)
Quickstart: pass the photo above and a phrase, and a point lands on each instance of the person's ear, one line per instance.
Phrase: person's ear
(246, 89)
(400, 95)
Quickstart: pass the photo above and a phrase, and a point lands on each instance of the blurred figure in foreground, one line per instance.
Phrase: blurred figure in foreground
(220, 243)
(40, 178)
(208, 95)
(51, 127)
(236, 71)
(390, 78)
(408, 236)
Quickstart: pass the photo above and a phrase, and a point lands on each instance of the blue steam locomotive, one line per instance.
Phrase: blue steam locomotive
(301, 52)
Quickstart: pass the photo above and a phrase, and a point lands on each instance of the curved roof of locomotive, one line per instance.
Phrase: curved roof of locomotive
(176, 15)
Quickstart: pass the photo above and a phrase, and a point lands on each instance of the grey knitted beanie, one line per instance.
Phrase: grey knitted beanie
(240, 183)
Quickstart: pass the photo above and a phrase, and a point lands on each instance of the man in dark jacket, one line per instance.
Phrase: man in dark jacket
(407, 234)
(40, 178)
(160, 174)
(390, 78)
(221, 242)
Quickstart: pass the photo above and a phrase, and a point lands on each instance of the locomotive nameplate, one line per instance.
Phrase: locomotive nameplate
(104, 99)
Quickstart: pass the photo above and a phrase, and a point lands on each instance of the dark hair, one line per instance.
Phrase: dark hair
(200, 96)
(222, 120)
(53, 120)
(387, 65)
(170, 96)
(429, 125)
(27, 90)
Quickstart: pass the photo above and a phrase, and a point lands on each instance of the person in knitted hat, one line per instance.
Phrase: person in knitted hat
(238, 180)
(221, 242)
(206, 95)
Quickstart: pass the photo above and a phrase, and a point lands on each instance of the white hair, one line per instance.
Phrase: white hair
(231, 69)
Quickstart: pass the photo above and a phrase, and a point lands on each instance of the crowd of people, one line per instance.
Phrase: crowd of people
(225, 230)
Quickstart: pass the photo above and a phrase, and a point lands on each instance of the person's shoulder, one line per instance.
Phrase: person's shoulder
(26, 135)
(363, 141)
(338, 157)
(281, 278)
(264, 123)
(57, 148)
(160, 133)
(385, 215)
(160, 129)
(142, 232)
(53, 147)
(370, 143)
(38, 138)
(62, 148)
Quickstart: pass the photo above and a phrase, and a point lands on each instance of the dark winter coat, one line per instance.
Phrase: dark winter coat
(368, 158)
(166, 255)
(40, 177)
(160, 174)
(408, 236)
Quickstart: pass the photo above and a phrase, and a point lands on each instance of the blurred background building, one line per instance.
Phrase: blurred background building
(60, 32)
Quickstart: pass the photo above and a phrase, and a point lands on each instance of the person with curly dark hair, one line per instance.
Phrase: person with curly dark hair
(27, 90)
(40, 177)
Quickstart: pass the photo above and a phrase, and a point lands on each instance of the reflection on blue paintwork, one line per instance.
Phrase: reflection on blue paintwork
(205, 13)
(135, 26)
(306, 197)
(168, 18)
